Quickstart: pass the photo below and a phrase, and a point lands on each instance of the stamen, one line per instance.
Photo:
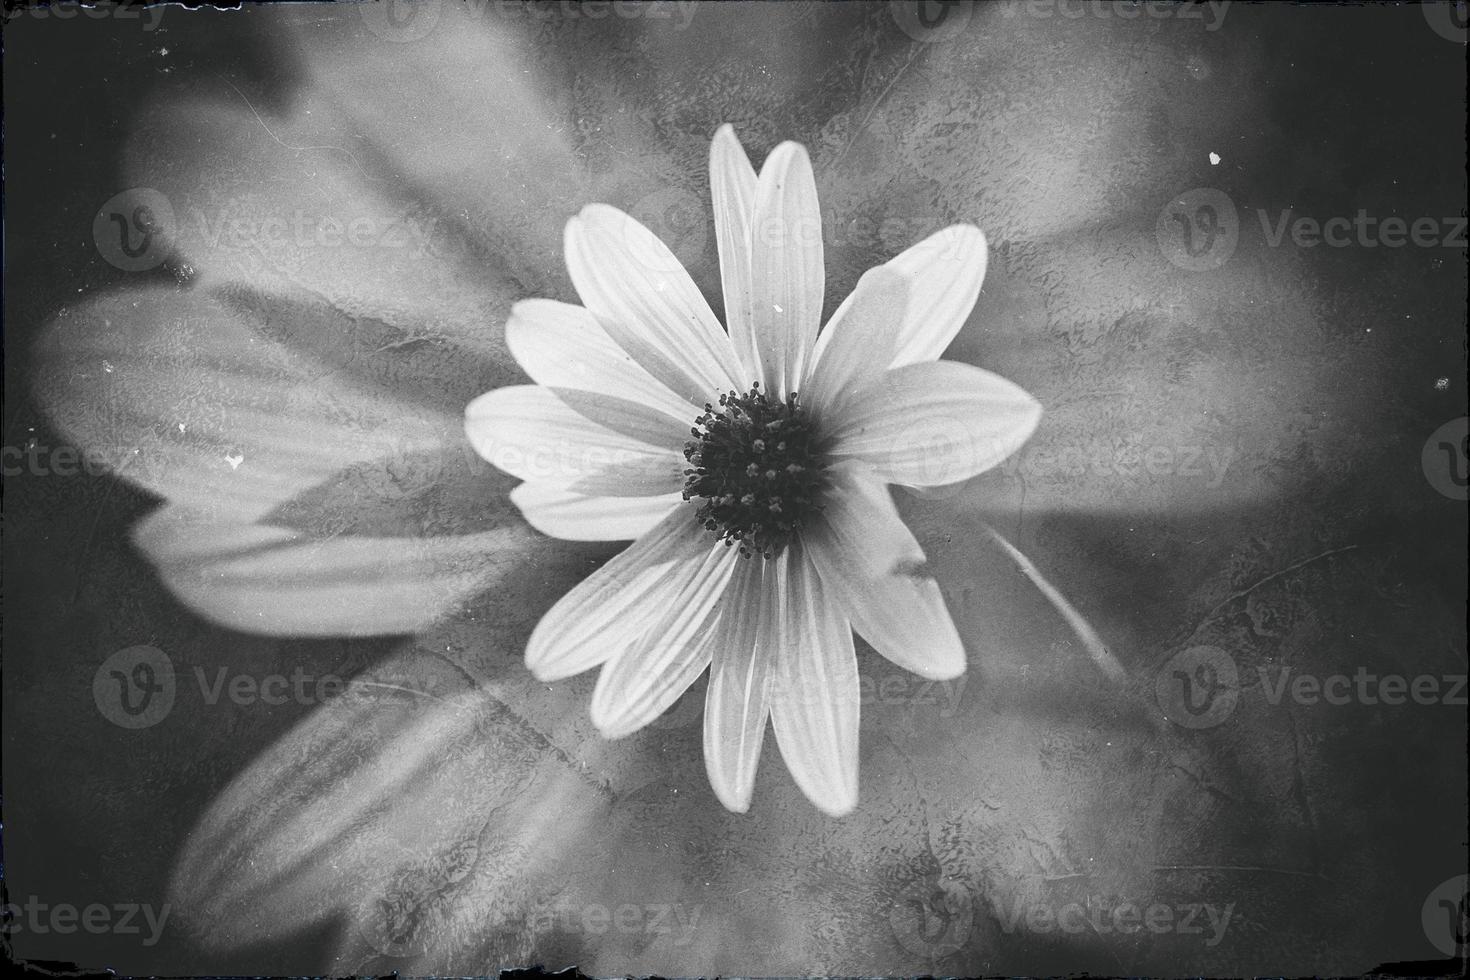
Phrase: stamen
(758, 491)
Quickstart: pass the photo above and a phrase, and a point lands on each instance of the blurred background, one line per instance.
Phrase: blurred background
(1228, 257)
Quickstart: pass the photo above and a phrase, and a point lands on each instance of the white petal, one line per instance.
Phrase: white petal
(934, 423)
(635, 420)
(944, 273)
(640, 683)
(864, 331)
(562, 346)
(647, 303)
(870, 561)
(574, 517)
(732, 188)
(607, 611)
(815, 699)
(738, 699)
(786, 266)
(530, 433)
(164, 386)
(266, 579)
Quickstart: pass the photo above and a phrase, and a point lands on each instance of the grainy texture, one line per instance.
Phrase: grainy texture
(1230, 457)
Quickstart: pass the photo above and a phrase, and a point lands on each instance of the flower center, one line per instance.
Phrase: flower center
(758, 465)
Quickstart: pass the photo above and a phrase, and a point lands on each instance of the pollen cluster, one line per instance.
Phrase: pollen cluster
(759, 467)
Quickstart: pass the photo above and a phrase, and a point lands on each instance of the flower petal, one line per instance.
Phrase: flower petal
(944, 273)
(199, 400)
(737, 701)
(569, 516)
(732, 188)
(646, 301)
(815, 698)
(865, 329)
(530, 433)
(640, 683)
(362, 229)
(787, 277)
(389, 785)
(934, 423)
(608, 610)
(629, 418)
(871, 563)
(266, 579)
(563, 346)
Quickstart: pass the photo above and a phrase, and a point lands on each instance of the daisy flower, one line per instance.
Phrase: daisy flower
(750, 468)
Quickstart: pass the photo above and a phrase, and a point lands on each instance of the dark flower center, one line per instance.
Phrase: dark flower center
(758, 465)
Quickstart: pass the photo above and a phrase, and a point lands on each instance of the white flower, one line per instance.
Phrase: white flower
(750, 467)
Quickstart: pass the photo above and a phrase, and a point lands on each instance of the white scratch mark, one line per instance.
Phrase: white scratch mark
(1090, 640)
